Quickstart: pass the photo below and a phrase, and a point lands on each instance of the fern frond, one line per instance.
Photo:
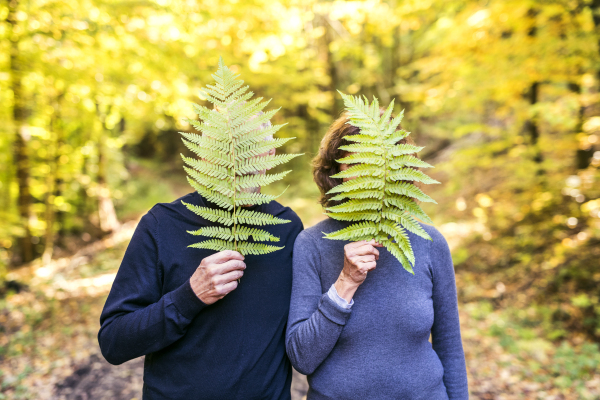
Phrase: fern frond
(217, 232)
(395, 137)
(381, 191)
(363, 148)
(359, 170)
(256, 149)
(260, 235)
(215, 157)
(257, 218)
(410, 190)
(229, 149)
(403, 149)
(406, 203)
(212, 196)
(408, 161)
(374, 216)
(213, 244)
(218, 185)
(244, 199)
(213, 215)
(357, 184)
(385, 118)
(263, 163)
(258, 135)
(209, 131)
(360, 138)
(206, 142)
(397, 252)
(409, 174)
(400, 237)
(356, 205)
(252, 124)
(406, 221)
(362, 158)
(246, 248)
(393, 126)
(241, 233)
(354, 232)
(359, 194)
(411, 225)
(216, 171)
(250, 181)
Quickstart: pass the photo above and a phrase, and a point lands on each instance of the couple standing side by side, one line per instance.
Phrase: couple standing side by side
(231, 324)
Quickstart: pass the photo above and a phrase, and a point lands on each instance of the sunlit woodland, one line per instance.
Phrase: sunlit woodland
(503, 94)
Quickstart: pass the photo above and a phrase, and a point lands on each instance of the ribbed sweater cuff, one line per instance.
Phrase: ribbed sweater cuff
(332, 311)
(186, 301)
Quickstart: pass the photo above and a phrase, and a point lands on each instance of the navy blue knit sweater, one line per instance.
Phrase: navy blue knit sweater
(232, 349)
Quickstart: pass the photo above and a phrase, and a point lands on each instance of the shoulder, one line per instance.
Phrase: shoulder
(175, 209)
(315, 233)
(438, 241)
(438, 253)
(276, 209)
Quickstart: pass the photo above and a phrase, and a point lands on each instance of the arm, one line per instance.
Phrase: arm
(315, 320)
(446, 325)
(137, 319)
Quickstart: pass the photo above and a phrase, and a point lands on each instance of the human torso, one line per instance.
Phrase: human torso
(234, 348)
(385, 343)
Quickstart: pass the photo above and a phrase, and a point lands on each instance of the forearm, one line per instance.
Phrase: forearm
(310, 341)
(446, 338)
(125, 336)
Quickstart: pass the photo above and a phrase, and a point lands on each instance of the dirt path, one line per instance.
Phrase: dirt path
(98, 380)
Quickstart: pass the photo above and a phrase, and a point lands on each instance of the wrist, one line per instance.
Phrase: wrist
(345, 287)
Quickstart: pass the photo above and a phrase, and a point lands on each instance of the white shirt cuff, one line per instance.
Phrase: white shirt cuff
(337, 299)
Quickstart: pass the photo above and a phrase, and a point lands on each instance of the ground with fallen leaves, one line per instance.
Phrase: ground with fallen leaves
(49, 350)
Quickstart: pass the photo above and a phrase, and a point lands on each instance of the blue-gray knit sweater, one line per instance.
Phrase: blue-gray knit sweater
(378, 349)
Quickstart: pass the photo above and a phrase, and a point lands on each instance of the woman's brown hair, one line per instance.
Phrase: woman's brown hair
(324, 164)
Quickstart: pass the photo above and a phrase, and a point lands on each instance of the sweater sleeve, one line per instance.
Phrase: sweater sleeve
(445, 332)
(315, 320)
(137, 318)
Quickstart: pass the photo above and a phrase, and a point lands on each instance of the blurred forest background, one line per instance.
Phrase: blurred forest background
(504, 94)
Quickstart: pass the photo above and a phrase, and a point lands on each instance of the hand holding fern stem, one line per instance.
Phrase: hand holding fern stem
(217, 276)
(359, 258)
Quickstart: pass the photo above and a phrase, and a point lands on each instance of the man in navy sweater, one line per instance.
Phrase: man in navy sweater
(203, 335)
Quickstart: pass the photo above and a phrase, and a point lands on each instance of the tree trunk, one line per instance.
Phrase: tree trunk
(21, 158)
(53, 181)
(582, 156)
(595, 7)
(106, 209)
(532, 95)
(331, 67)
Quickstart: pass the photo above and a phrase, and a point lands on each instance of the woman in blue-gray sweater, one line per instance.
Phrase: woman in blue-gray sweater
(359, 324)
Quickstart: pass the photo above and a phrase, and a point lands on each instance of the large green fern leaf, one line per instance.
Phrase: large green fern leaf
(380, 193)
(233, 155)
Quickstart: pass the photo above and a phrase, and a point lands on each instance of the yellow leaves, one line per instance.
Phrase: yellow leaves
(592, 125)
(478, 18)
(257, 58)
(484, 200)
(592, 207)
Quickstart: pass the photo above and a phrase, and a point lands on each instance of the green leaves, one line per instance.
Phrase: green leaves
(233, 151)
(380, 192)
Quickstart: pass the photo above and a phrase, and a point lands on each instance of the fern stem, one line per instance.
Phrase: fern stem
(385, 173)
(232, 154)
